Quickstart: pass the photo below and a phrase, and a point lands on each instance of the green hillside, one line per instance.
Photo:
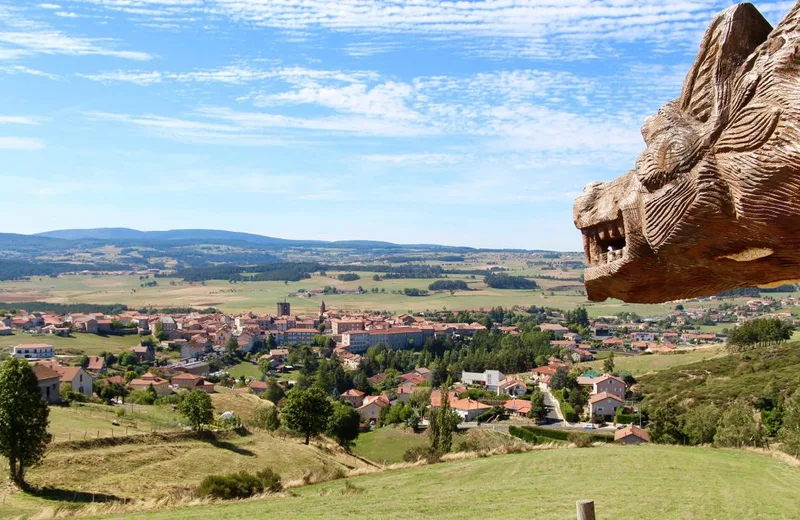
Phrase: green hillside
(726, 378)
(660, 482)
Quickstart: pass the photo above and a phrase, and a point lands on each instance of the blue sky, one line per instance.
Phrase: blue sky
(463, 123)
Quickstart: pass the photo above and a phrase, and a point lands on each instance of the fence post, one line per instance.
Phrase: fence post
(585, 509)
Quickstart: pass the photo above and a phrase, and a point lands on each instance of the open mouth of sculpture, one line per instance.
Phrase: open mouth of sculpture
(604, 243)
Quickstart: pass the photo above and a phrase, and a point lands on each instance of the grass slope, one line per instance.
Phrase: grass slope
(93, 420)
(646, 363)
(661, 482)
(721, 379)
(152, 466)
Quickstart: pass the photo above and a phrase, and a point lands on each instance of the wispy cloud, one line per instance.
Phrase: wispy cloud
(20, 143)
(525, 28)
(20, 37)
(18, 120)
(21, 69)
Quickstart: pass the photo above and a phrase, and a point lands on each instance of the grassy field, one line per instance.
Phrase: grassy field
(388, 444)
(91, 344)
(262, 296)
(646, 363)
(93, 420)
(663, 482)
(246, 369)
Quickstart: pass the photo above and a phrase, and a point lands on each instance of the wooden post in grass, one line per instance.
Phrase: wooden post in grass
(585, 509)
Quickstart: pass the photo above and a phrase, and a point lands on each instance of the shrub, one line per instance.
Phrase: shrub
(525, 435)
(425, 453)
(267, 418)
(580, 439)
(239, 485)
(351, 489)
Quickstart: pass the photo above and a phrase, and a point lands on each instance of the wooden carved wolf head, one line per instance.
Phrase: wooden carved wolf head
(713, 202)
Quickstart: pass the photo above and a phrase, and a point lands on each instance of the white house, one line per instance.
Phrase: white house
(490, 379)
(33, 351)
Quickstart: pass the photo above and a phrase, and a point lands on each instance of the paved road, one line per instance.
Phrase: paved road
(553, 410)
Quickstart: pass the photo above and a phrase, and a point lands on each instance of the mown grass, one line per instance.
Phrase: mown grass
(246, 369)
(388, 444)
(77, 344)
(725, 378)
(646, 363)
(663, 482)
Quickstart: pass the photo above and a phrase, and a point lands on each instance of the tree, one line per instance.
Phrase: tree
(23, 418)
(197, 408)
(560, 378)
(538, 407)
(267, 417)
(666, 424)
(306, 411)
(700, 423)
(789, 435)
(443, 422)
(738, 428)
(344, 424)
(274, 391)
(608, 364)
(232, 346)
(111, 391)
(158, 331)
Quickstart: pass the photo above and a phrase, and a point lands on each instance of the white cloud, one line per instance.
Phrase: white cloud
(570, 29)
(49, 6)
(23, 37)
(67, 14)
(417, 158)
(20, 143)
(21, 69)
(56, 42)
(18, 120)
(137, 77)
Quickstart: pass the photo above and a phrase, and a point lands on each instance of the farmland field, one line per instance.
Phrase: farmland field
(262, 296)
(667, 482)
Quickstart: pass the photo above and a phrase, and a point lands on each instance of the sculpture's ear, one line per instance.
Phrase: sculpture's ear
(732, 36)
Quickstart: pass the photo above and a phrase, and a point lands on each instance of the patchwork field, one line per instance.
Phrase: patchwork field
(262, 296)
(666, 482)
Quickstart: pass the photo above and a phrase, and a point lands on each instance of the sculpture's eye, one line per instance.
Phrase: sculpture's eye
(668, 156)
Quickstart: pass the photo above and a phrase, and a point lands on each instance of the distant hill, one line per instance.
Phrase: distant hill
(195, 235)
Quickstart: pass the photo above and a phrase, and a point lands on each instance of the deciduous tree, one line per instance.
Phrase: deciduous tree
(23, 418)
(307, 411)
(197, 408)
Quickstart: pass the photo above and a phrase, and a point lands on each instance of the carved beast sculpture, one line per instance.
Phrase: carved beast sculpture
(714, 200)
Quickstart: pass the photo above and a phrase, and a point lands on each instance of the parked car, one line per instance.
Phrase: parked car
(588, 426)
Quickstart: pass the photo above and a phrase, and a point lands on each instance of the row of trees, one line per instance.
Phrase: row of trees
(760, 332)
(737, 425)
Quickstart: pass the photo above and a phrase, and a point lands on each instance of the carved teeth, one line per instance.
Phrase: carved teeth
(604, 243)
